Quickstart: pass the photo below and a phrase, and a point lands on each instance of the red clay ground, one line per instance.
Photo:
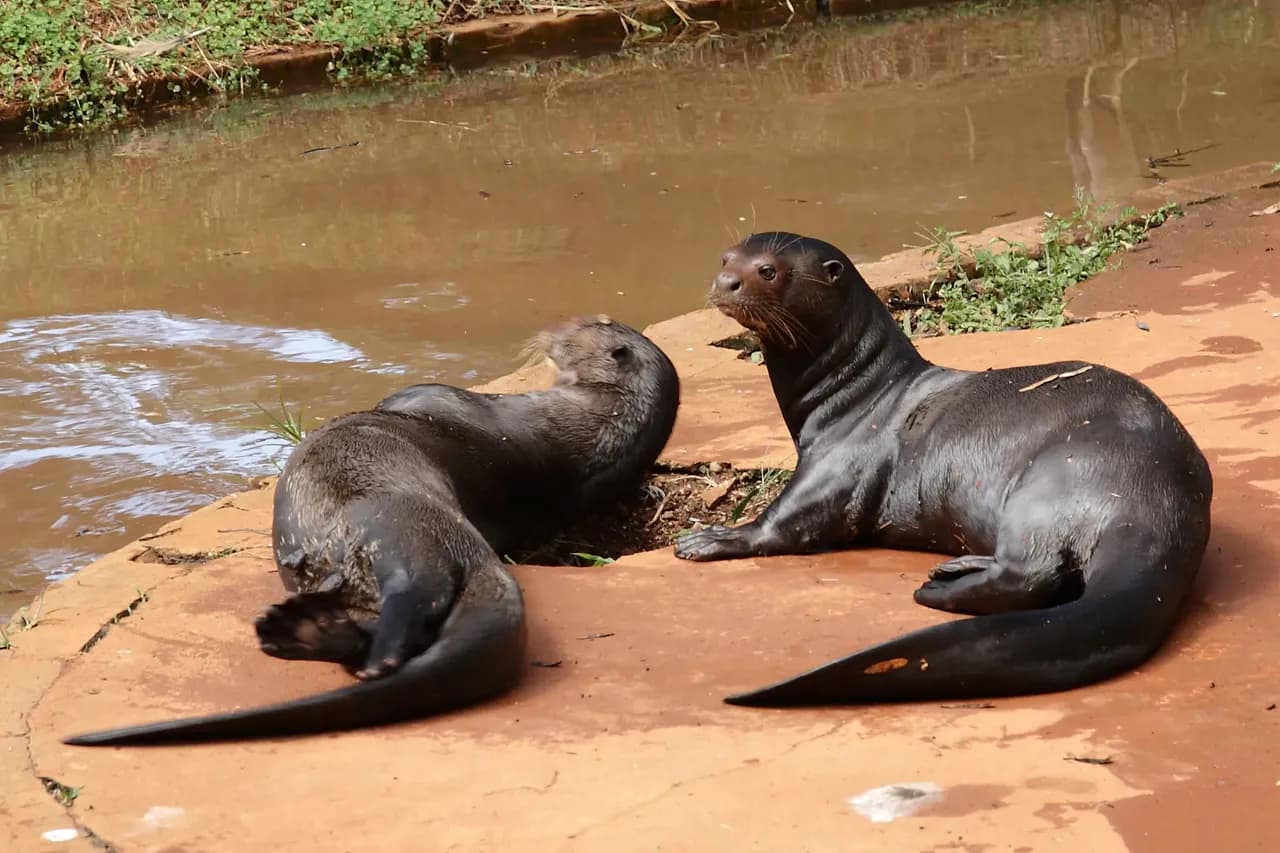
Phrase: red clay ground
(626, 745)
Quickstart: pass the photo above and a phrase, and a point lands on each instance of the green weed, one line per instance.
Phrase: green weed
(26, 618)
(285, 425)
(64, 794)
(769, 482)
(80, 63)
(1021, 287)
(592, 559)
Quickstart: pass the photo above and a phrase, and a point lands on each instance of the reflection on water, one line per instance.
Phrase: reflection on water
(156, 283)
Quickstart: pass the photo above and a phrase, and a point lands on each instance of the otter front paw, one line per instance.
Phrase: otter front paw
(714, 543)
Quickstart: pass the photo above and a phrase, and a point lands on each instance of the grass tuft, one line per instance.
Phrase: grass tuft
(1019, 287)
(769, 481)
(64, 794)
(591, 559)
(286, 425)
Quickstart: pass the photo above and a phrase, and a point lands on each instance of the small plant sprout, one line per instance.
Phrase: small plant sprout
(286, 425)
(592, 559)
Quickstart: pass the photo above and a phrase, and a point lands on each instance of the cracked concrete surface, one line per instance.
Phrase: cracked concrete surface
(626, 745)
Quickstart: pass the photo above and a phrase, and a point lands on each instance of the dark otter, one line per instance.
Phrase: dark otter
(1076, 504)
(389, 524)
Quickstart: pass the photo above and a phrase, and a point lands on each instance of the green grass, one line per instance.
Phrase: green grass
(64, 794)
(769, 482)
(1020, 287)
(78, 62)
(24, 620)
(289, 426)
(592, 559)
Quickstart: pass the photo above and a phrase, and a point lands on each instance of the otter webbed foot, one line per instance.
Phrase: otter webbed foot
(971, 584)
(716, 543)
(312, 626)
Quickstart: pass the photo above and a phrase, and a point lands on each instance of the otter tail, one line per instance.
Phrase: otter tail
(478, 654)
(1124, 615)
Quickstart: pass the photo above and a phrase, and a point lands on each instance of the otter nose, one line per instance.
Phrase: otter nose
(726, 282)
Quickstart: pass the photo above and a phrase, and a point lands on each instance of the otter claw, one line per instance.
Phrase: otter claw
(386, 666)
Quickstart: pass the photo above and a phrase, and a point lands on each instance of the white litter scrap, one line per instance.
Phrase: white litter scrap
(890, 802)
(59, 835)
(158, 817)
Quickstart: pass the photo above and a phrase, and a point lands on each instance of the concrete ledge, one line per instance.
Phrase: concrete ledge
(910, 272)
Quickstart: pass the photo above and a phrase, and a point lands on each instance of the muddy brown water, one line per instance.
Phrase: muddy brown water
(157, 283)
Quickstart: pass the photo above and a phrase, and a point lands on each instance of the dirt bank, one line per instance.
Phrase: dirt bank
(91, 64)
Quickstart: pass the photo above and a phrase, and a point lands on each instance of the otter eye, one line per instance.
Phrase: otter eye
(620, 354)
(834, 269)
(768, 273)
(724, 259)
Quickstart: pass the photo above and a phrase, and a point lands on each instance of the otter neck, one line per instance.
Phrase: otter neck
(624, 427)
(863, 359)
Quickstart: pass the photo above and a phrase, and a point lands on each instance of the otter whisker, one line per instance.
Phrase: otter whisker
(795, 238)
(751, 318)
(812, 278)
(777, 325)
(797, 333)
(800, 336)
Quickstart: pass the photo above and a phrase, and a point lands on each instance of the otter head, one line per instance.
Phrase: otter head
(598, 350)
(783, 286)
(626, 392)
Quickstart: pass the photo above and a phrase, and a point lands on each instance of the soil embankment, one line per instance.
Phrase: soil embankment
(82, 64)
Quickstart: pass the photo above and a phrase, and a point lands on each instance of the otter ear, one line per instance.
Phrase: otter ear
(834, 269)
(621, 354)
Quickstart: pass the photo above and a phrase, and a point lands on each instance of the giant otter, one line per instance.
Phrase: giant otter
(1075, 503)
(388, 526)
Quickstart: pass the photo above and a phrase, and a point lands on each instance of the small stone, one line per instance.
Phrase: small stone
(712, 495)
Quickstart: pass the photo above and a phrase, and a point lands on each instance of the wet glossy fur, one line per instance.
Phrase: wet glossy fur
(1078, 508)
(389, 524)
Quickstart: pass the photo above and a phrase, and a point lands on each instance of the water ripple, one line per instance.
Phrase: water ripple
(116, 417)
